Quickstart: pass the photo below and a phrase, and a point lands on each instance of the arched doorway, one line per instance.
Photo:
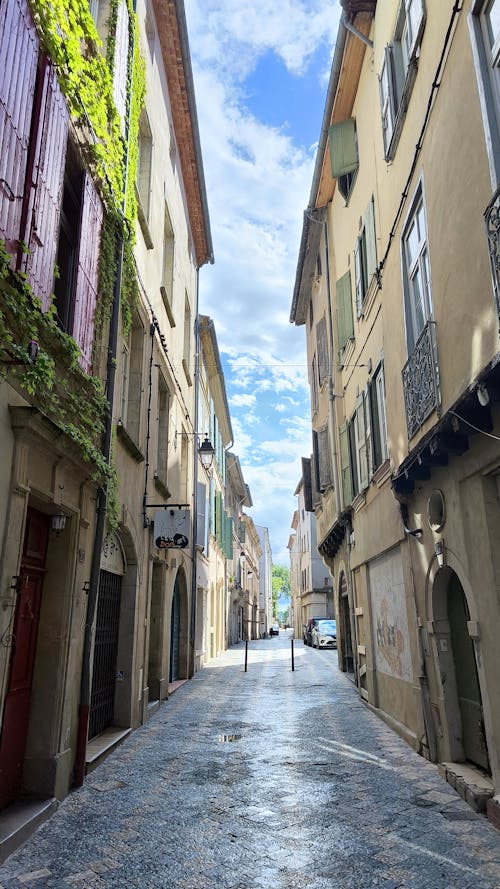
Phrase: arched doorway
(175, 633)
(467, 680)
(179, 630)
(346, 653)
(107, 634)
(460, 686)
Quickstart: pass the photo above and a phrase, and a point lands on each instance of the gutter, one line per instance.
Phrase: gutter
(323, 138)
(188, 74)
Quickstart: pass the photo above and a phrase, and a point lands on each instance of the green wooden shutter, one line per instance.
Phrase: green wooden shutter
(325, 473)
(212, 507)
(343, 147)
(241, 532)
(218, 518)
(345, 464)
(345, 321)
(229, 551)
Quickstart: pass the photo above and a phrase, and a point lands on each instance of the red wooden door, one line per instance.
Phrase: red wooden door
(17, 702)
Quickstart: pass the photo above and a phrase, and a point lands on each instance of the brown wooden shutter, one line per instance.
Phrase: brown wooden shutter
(46, 187)
(88, 270)
(18, 64)
(307, 484)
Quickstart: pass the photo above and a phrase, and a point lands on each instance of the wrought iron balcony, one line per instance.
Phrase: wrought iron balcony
(492, 219)
(421, 380)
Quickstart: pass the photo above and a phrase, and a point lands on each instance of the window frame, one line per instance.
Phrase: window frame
(488, 86)
(410, 268)
(398, 72)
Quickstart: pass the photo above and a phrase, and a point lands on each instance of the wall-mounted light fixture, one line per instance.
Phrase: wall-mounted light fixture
(242, 556)
(440, 552)
(483, 396)
(58, 523)
(32, 349)
(206, 452)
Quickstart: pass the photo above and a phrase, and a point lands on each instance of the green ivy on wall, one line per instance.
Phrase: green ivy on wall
(76, 401)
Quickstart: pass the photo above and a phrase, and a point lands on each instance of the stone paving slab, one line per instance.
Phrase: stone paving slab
(270, 778)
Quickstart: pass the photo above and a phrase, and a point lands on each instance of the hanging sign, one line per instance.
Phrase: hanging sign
(172, 527)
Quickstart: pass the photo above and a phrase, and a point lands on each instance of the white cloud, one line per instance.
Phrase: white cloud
(258, 180)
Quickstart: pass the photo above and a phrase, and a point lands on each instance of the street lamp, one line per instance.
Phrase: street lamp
(207, 453)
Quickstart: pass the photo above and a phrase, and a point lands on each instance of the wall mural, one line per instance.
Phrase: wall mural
(390, 622)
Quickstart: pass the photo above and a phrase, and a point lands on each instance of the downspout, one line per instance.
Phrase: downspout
(194, 579)
(102, 496)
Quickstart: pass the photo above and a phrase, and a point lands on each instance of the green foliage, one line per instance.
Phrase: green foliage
(280, 585)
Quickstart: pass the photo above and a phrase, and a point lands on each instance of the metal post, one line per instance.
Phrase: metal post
(246, 655)
(293, 660)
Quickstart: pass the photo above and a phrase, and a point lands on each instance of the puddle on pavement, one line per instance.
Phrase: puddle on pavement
(228, 738)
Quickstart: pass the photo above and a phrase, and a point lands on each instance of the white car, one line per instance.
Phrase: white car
(324, 634)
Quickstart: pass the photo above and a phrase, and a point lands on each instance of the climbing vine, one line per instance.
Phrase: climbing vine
(72, 399)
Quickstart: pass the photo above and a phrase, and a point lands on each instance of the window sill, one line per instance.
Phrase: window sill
(347, 353)
(358, 502)
(161, 486)
(143, 222)
(168, 305)
(371, 293)
(187, 374)
(129, 443)
(383, 473)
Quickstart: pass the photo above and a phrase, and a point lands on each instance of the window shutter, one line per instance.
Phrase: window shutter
(358, 275)
(218, 518)
(241, 532)
(314, 386)
(88, 273)
(370, 240)
(375, 424)
(360, 444)
(416, 14)
(307, 484)
(343, 147)
(322, 350)
(44, 201)
(345, 465)
(325, 474)
(120, 64)
(315, 467)
(368, 434)
(201, 515)
(212, 507)
(387, 98)
(345, 322)
(229, 549)
(18, 65)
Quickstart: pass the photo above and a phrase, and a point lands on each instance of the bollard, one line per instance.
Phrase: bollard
(293, 661)
(246, 655)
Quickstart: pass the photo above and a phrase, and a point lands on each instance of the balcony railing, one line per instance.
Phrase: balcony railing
(492, 219)
(421, 380)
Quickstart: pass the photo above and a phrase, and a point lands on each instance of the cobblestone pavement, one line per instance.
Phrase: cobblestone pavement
(270, 778)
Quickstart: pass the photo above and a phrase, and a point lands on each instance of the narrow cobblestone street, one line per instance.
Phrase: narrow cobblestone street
(269, 778)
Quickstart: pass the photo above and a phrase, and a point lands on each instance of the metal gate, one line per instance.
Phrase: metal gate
(105, 653)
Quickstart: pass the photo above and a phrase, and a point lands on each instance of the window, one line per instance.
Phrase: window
(186, 352)
(67, 251)
(143, 182)
(321, 457)
(314, 385)
(311, 314)
(376, 394)
(322, 347)
(167, 277)
(399, 70)
(485, 30)
(345, 322)
(365, 256)
(120, 62)
(416, 272)
(360, 432)
(162, 419)
(344, 155)
(132, 381)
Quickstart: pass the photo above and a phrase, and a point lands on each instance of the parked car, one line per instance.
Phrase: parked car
(324, 634)
(309, 627)
(275, 630)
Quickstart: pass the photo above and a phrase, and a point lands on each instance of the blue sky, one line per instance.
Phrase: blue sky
(261, 71)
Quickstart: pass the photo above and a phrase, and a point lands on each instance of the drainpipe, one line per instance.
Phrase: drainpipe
(102, 504)
(194, 579)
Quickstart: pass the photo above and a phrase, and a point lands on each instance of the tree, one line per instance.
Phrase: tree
(281, 585)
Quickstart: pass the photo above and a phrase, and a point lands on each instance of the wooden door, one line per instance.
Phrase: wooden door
(469, 694)
(25, 629)
(175, 634)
